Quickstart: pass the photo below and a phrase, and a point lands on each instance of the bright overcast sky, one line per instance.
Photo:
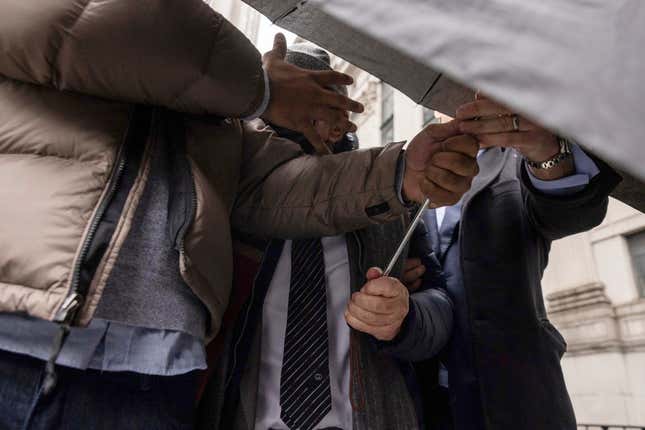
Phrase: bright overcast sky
(266, 33)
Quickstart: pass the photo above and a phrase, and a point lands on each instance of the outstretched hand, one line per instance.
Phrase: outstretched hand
(441, 163)
(299, 97)
(494, 125)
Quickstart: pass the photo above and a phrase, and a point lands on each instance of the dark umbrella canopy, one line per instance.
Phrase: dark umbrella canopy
(408, 74)
(576, 67)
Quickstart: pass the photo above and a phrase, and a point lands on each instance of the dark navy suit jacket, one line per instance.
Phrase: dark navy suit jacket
(504, 356)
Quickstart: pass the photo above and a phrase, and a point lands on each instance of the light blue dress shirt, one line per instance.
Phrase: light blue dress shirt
(106, 346)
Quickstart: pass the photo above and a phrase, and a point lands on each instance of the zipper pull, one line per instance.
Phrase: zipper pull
(68, 309)
(64, 318)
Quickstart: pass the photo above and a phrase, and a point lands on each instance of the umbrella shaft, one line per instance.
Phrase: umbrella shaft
(406, 238)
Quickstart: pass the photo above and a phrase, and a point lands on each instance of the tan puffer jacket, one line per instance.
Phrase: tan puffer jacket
(71, 72)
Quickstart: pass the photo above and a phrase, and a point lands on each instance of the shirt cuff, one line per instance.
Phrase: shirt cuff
(398, 181)
(265, 100)
(585, 170)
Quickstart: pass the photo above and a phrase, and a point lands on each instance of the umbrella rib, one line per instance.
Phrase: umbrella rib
(431, 87)
(290, 11)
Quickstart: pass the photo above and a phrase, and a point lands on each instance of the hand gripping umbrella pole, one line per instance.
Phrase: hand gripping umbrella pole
(406, 238)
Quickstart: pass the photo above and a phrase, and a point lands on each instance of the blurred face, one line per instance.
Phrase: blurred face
(330, 135)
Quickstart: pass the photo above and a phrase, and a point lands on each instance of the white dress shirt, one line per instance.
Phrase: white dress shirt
(274, 325)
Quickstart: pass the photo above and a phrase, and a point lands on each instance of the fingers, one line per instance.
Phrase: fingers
(341, 102)
(328, 78)
(333, 117)
(375, 304)
(411, 263)
(312, 136)
(414, 274)
(466, 145)
(383, 286)
(425, 143)
(384, 333)
(374, 273)
(503, 124)
(439, 196)
(373, 318)
(377, 315)
(481, 108)
(279, 51)
(441, 131)
(456, 162)
(448, 180)
(452, 170)
(516, 140)
(412, 271)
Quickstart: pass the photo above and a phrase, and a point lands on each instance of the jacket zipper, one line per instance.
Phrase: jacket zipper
(75, 298)
(193, 210)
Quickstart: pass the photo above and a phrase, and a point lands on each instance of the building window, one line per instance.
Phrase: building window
(637, 250)
(387, 114)
(429, 117)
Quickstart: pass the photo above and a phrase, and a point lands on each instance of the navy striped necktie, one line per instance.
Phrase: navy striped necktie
(305, 392)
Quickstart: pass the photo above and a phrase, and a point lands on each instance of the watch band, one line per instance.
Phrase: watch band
(565, 153)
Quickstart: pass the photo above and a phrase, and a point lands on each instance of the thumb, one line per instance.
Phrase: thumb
(279, 50)
(373, 273)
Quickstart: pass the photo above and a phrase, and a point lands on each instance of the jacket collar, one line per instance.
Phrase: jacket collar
(490, 163)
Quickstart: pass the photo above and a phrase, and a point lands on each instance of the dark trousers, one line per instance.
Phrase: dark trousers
(90, 399)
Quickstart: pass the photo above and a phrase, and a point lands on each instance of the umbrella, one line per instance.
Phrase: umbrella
(575, 67)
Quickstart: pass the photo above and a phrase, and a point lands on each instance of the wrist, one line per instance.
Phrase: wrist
(563, 169)
(558, 165)
(410, 190)
(544, 153)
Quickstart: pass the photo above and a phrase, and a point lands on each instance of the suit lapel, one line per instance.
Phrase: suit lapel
(448, 226)
(430, 220)
(490, 163)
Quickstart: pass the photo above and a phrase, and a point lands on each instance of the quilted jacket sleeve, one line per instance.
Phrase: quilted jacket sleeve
(178, 54)
(285, 193)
